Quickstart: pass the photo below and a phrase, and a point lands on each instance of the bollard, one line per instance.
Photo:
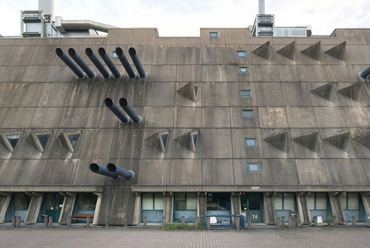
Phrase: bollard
(163, 220)
(237, 223)
(315, 221)
(182, 219)
(283, 222)
(88, 222)
(144, 220)
(50, 221)
(17, 221)
(277, 222)
(249, 223)
(335, 221)
(353, 221)
(196, 222)
(208, 219)
(46, 218)
(125, 222)
(13, 222)
(69, 222)
(106, 225)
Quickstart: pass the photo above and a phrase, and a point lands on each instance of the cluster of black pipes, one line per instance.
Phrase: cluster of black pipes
(112, 170)
(108, 61)
(128, 109)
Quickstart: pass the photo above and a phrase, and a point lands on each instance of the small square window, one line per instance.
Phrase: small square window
(247, 113)
(213, 34)
(250, 142)
(243, 70)
(253, 167)
(245, 93)
(242, 54)
(114, 54)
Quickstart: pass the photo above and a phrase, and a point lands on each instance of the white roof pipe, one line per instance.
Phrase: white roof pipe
(261, 7)
(85, 24)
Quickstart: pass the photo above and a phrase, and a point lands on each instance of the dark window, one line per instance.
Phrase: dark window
(22, 201)
(43, 138)
(86, 201)
(213, 34)
(245, 93)
(185, 201)
(13, 139)
(164, 138)
(73, 138)
(218, 201)
(243, 70)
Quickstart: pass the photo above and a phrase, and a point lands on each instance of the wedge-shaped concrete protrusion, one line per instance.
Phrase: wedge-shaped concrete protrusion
(40, 140)
(11, 140)
(338, 51)
(324, 91)
(189, 140)
(289, 51)
(279, 140)
(308, 140)
(363, 140)
(190, 90)
(69, 140)
(339, 140)
(263, 51)
(352, 91)
(313, 51)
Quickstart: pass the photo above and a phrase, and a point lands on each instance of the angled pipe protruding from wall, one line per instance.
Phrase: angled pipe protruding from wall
(137, 62)
(125, 63)
(364, 74)
(81, 63)
(114, 108)
(128, 174)
(109, 63)
(102, 171)
(69, 63)
(130, 111)
(97, 63)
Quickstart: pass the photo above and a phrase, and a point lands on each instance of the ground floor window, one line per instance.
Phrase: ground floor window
(86, 201)
(350, 201)
(317, 201)
(284, 201)
(218, 201)
(152, 201)
(21, 201)
(185, 201)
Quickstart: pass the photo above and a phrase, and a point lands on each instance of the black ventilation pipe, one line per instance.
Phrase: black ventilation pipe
(114, 108)
(137, 62)
(125, 63)
(128, 174)
(109, 63)
(81, 63)
(365, 73)
(69, 63)
(97, 63)
(130, 111)
(102, 171)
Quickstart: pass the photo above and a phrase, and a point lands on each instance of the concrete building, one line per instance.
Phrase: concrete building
(231, 124)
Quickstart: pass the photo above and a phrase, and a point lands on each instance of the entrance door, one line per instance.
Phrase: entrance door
(54, 203)
(251, 205)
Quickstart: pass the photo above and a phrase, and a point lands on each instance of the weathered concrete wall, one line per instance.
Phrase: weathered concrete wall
(311, 115)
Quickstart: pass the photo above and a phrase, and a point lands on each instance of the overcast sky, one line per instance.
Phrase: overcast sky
(186, 17)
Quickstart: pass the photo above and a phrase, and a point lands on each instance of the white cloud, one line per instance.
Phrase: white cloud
(185, 17)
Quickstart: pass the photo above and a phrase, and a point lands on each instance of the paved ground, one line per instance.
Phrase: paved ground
(119, 237)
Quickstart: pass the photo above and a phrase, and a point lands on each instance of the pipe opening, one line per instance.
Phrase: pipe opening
(71, 52)
(94, 167)
(89, 51)
(119, 51)
(123, 102)
(132, 51)
(111, 167)
(101, 51)
(108, 102)
(59, 51)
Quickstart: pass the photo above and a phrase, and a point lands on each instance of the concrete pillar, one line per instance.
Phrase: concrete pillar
(336, 208)
(235, 203)
(46, 220)
(4, 204)
(283, 222)
(69, 222)
(97, 208)
(353, 221)
(163, 220)
(87, 222)
(292, 222)
(14, 221)
(202, 204)
(67, 208)
(182, 219)
(50, 221)
(269, 208)
(303, 211)
(237, 223)
(144, 220)
(196, 222)
(315, 221)
(17, 221)
(249, 223)
(168, 206)
(137, 209)
(208, 221)
(34, 208)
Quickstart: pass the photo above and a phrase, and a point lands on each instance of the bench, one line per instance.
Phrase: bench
(82, 217)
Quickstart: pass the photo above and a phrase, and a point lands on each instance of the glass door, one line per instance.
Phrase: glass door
(54, 203)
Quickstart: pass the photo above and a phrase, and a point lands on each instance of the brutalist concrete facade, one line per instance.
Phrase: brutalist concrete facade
(308, 114)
